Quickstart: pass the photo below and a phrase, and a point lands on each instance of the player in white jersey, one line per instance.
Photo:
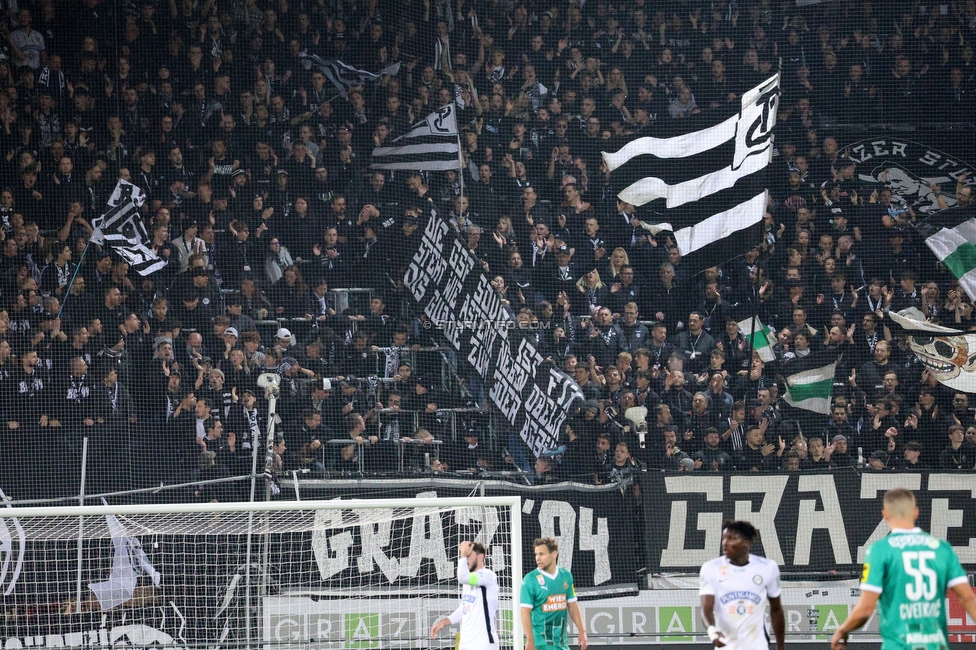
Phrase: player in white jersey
(478, 611)
(734, 590)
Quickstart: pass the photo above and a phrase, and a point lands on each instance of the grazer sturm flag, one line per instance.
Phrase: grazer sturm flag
(128, 565)
(121, 229)
(344, 76)
(759, 337)
(810, 381)
(430, 145)
(955, 245)
(707, 181)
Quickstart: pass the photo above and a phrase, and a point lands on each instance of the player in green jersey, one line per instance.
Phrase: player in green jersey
(547, 597)
(906, 576)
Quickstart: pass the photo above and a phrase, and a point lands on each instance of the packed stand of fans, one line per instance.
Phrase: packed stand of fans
(261, 200)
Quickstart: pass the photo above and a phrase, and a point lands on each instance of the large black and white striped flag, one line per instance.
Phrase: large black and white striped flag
(430, 145)
(709, 181)
(121, 229)
(342, 75)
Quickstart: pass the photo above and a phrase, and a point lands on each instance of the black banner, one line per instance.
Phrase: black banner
(808, 522)
(207, 573)
(458, 299)
(594, 527)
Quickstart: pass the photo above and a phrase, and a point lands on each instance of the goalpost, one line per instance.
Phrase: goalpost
(340, 575)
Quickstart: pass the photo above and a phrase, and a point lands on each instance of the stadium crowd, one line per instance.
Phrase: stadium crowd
(261, 202)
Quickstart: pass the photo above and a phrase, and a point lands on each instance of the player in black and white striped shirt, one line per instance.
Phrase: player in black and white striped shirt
(478, 612)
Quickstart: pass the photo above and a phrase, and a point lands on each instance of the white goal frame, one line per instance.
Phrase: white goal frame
(512, 503)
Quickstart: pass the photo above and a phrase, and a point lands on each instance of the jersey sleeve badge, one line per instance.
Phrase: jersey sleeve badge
(865, 572)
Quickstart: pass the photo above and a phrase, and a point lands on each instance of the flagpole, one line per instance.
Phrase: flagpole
(460, 154)
(755, 303)
(73, 276)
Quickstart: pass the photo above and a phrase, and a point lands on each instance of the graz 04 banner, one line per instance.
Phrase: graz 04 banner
(457, 299)
(808, 522)
(594, 528)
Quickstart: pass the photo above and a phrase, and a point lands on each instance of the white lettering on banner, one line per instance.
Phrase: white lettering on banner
(511, 375)
(437, 277)
(859, 152)
(544, 414)
(598, 542)
(482, 341)
(440, 312)
(375, 536)
(549, 512)
(871, 485)
(489, 524)
(543, 419)
(427, 541)
(332, 552)
(830, 519)
(505, 391)
(765, 518)
(461, 261)
(428, 264)
(484, 306)
(710, 522)
(569, 391)
(943, 518)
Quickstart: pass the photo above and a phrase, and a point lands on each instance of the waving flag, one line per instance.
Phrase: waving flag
(121, 229)
(129, 564)
(430, 145)
(709, 182)
(342, 75)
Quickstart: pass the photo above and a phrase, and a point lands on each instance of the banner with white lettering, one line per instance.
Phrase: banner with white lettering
(456, 297)
(209, 572)
(581, 518)
(809, 523)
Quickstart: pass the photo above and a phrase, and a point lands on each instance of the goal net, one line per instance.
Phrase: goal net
(353, 574)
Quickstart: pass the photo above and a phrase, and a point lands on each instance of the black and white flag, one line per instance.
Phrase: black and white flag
(128, 565)
(709, 182)
(430, 145)
(342, 75)
(122, 230)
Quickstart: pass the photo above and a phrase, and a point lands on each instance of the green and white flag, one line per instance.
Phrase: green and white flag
(956, 248)
(811, 384)
(760, 338)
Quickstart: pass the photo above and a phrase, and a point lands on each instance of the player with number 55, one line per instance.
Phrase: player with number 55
(906, 576)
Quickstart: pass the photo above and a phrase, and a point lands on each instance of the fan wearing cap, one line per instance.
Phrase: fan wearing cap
(840, 455)
(422, 396)
(238, 255)
(284, 339)
(469, 454)
(210, 385)
(558, 275)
